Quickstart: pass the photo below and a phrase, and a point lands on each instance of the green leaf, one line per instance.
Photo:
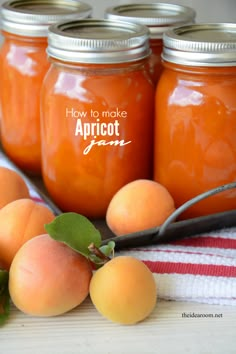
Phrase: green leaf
(75, 230)
(4, 297)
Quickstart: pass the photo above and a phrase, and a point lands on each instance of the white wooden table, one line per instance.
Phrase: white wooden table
(84, 331)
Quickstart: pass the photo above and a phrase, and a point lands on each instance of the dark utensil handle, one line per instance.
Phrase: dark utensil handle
(171, 231)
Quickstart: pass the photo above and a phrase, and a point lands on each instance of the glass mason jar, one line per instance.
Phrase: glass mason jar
(23, 64)
(195, 124)
(97, 113)
(158, 17)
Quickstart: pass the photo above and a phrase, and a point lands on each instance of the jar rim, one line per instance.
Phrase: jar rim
(98, 41)
(33, 17)
(159, 17)
(203, 44)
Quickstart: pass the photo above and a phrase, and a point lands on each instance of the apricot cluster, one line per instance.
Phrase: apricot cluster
(51, 262)
(20, 217)
(46, 277)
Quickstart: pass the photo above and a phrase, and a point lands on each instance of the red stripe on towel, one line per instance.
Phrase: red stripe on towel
(190, 268)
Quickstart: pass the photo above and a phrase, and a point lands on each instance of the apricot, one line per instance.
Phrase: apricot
(12, 186)
(139, 205)
(20, 221)
(124, 290)
(48, 278)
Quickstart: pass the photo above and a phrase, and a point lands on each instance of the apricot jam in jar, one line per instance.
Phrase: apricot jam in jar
(195, 123)
(97, 113)
(158, 17)
(23, 64)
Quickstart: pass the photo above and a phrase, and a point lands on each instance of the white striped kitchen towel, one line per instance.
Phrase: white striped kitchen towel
(200, 268)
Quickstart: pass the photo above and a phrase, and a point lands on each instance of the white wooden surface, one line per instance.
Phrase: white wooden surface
(84, 331)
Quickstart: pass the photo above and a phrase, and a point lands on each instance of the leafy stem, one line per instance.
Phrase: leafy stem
(98, 253)
(77, 232)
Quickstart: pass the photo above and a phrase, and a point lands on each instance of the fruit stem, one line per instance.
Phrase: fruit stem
(96, 251)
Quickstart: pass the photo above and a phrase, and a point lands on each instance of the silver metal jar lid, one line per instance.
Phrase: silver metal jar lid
(33, 17)
(98, 41)
(159, 17)
(205, 44)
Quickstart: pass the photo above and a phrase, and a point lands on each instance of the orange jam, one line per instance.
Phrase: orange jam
(97, 113)
(158, 17)
(23, 64)
(195, 128)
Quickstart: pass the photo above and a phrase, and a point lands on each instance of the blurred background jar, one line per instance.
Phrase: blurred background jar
(23, 64)
(158, 17)
(195, 125)
(97, 113)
